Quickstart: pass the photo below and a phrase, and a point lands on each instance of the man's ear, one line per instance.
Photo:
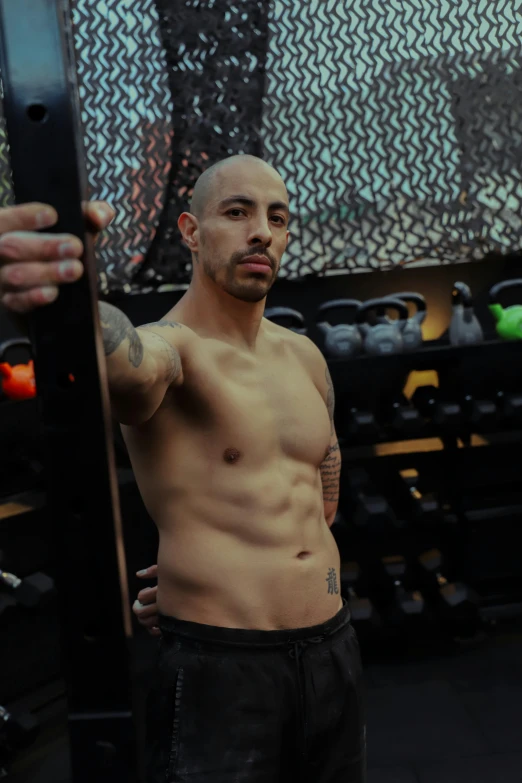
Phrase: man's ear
(287, 238)
(188, 225)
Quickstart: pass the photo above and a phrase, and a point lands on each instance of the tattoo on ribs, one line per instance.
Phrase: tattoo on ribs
(116, 327)
(331, 580)
(331, 474)
(330, 400)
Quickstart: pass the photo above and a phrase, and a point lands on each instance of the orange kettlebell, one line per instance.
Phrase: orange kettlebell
(18, 381)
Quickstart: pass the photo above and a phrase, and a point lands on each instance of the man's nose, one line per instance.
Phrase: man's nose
(260, 234)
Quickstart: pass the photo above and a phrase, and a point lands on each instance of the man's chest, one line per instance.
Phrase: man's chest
(260, 407)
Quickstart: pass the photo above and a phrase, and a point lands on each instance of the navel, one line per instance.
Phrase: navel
(231, 455)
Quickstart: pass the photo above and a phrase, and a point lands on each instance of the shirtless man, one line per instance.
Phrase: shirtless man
(228, 420)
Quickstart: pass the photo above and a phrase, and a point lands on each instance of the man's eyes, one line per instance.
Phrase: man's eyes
(236, 212)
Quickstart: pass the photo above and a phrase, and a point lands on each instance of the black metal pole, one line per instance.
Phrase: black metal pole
(41, 105)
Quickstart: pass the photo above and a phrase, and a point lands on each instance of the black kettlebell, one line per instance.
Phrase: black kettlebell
(465, 328)
(412, 332)
(297, 320)
(385, 336)
(343, 340)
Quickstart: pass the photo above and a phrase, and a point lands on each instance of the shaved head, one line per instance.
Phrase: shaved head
(239, 211)
(208, 182)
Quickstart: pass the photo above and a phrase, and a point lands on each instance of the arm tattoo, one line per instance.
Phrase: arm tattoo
(331, 474)
(330, 400)
(116, 327)
(168, 355)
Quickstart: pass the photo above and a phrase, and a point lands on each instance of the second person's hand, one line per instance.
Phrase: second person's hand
(145, 607)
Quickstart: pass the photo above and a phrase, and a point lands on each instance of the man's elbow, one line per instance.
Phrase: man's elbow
(330, 505)
(330, 517)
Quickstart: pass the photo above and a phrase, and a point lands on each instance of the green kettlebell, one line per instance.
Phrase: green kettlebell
(509, 319)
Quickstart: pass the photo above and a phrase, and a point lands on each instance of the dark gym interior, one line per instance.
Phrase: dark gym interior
(397, 129)
(443, 683)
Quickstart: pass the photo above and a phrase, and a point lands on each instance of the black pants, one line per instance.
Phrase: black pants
(229, 705)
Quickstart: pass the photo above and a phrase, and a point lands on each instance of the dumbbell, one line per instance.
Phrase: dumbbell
(459, 604)
(7, 605)
(362, 424)
(509, 405)
(479, 413)
(421, 507)
(408, 607)
(364, 616)
(430, 403)
(31, 592)
(17, 730)
(371, 509)
(401, 416)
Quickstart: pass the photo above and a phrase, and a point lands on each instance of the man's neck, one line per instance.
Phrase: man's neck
(220, 315)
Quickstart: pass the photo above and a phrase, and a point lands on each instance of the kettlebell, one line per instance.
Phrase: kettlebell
(465, 328)
(412, 332)
(18, 381)
(343, 340)
(297, 320)
(385, 336)
(509, 319)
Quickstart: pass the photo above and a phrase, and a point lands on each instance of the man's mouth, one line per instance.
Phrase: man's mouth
(257, 260)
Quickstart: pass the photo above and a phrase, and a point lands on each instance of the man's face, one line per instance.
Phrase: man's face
(245, 220)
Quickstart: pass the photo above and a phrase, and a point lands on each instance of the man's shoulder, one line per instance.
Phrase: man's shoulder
(306, 350)
(171, 330)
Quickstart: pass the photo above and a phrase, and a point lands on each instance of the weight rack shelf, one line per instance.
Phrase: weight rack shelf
(435, 354)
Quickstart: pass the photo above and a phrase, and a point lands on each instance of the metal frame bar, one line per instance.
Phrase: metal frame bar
(42, 111)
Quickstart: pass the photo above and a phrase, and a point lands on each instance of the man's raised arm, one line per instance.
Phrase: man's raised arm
(141, 364)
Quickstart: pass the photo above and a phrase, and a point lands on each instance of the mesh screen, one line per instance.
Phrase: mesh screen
(396, 125)
(397, 128)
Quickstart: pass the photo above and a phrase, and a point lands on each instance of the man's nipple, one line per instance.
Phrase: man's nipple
(231, 456)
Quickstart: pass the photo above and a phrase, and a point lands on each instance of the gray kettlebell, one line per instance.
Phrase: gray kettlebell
(385, 336)
(297, 321)
(465, 328)
(343, 340)
(412, 332)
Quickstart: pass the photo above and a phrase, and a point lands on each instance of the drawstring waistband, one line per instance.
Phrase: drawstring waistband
(296, 651)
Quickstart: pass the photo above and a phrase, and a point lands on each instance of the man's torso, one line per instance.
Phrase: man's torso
(228, 469)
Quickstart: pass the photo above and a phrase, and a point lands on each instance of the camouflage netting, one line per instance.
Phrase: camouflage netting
(397, 126)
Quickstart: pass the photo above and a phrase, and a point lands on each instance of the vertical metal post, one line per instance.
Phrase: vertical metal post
(41, 105)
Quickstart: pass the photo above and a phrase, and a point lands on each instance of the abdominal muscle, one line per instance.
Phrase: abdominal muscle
(257, 557)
